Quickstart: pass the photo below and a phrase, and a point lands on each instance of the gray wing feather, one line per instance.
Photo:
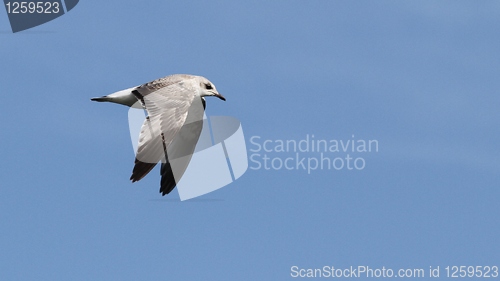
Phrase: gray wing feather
(167, 106)
(182, 147)
(160, 83)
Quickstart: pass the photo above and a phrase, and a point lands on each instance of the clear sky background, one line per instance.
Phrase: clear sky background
(421, 77)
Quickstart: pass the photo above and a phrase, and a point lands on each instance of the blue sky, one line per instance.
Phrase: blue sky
(419, 77)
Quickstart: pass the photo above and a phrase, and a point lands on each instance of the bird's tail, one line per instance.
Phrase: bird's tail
(101, 99)
(124, 97)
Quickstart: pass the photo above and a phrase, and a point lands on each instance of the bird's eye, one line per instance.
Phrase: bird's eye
(208, 86)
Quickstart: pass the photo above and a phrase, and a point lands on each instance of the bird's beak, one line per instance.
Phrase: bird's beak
(220, 96)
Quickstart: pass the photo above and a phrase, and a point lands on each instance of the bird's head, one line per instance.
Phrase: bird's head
(208, 89)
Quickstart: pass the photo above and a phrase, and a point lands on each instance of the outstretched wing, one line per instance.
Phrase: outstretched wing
(167, 104)
(182, 147)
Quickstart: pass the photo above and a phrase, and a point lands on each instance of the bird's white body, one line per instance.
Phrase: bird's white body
(175, 107)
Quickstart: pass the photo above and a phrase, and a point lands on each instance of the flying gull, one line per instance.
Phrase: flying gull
(175, 105)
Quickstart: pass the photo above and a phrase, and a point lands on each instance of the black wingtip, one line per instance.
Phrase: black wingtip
(141, 169)
(167, 182)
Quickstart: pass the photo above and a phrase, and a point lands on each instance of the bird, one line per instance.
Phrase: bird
(175, 107)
